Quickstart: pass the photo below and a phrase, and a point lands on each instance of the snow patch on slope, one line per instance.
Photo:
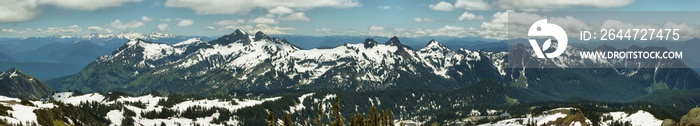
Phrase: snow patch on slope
(189, 42)
(639, 118)
(116, 117)
(76, 100)
(300, 105)
(206, 103)
(21, 114)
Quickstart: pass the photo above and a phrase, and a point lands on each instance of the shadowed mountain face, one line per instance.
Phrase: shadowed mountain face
(257, 62)
(15, 83)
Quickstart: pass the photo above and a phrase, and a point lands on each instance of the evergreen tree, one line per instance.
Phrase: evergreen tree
(373, 116)
(318, 121)
(338, 119)
(271, 120)
(353, 120)
(287, 120)
(389, 117)
(380, 118)
(361, 120)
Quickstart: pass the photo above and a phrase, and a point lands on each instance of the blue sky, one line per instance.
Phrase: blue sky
(410, 18)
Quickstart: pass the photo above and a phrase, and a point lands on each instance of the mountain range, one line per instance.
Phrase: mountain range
(433, 83)
(70, 53)
(257, 62)
(240, 61)
(67, 54)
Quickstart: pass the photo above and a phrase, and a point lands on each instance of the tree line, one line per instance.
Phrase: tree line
(375, 117)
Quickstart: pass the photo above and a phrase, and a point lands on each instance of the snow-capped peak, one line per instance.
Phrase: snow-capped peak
(434, 46)
(251, 57)
(148, 50)
(189, 42)
(237, 36)
(155, 51)
(239, 31)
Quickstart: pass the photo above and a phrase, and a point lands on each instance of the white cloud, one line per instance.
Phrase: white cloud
(526, 4)
(185, 22)
(236, 6)
(9, 30)
(470, 16)
(376, 28)
(475, 4)
(447, 30)
(264, 20)
(210, 28)
(516, 24)
(324, 30)
(70, 29)
(385, 7)
(280, 10)
(49, 30)
(230, 22)
(442, 6)
(25, 10)
(165, 19)
(556, 4)
(18, 10)
(163, 26)
(299, 16)
(88, 5)
(117, 24)
(74, 26)
(95, 28)
(453, 31)
(146, 19)
(418, 19)
(259, 27)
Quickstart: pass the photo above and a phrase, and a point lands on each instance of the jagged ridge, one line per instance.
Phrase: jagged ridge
(239, 61)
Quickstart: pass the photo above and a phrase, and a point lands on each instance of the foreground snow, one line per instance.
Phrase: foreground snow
(21, 114)
(640, 118)
(24, 115)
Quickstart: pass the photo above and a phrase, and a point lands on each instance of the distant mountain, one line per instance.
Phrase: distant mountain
(44, 70)
(81, 53)
(15, 83)
(68, 54)
(10, 46)
(323, 42)
(16, 45)
(5, 58)
(496, 46)
(311, 42)
(257, 62)
(122, 35)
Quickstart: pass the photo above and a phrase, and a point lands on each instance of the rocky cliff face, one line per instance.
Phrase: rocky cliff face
(692, 118)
